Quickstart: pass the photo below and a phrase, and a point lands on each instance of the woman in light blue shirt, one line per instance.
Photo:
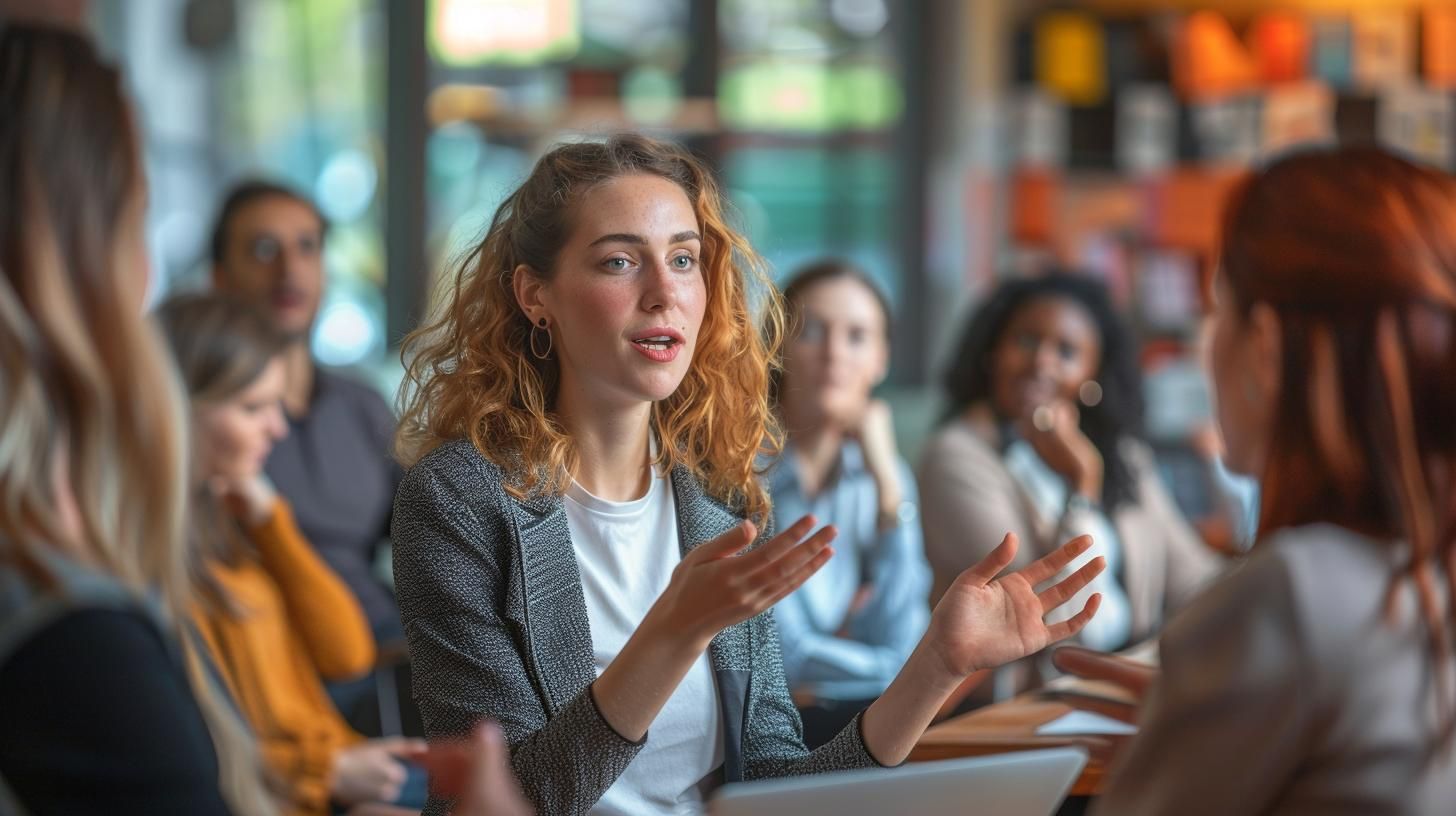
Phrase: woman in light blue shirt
(848, 630)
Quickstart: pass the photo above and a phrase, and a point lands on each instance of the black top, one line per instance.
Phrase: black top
(99, 719)
(336, 468)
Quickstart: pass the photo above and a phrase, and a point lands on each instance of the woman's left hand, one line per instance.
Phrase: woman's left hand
(984, 621)
(981, 622)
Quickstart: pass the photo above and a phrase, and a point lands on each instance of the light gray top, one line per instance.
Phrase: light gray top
(1284, 690)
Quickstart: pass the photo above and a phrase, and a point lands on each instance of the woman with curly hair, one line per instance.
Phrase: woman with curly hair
(577, 543)
(1043, 436)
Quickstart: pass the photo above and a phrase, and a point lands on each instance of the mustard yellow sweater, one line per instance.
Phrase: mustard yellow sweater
(298, 624)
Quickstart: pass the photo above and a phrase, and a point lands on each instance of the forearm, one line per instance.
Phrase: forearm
(638, 682)
(565, 765)
(898, 609)
(1087, 480)
(323, 611)
(893, 723)
(889, 488)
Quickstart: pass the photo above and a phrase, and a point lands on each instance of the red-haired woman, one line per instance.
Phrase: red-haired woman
(583, 425)
(1317, 678)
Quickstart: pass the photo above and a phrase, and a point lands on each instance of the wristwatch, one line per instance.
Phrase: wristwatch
(1079, 501)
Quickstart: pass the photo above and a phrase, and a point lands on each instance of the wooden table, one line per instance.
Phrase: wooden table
(1011, 726)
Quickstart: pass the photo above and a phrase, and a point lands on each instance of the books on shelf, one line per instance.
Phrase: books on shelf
(1147, 129)
(1039, 136)
(1228, 130)
(1417, 121)
(1382, 43)
(1296, 114)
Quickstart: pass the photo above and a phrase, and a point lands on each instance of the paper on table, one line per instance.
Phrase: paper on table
(1093, 689)
(1085, 722)
(1145, 652)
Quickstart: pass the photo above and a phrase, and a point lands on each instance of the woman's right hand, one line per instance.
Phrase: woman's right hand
(715, 586)
(1055, 433)
(476, 773)
(1136, 678)
(373, 771)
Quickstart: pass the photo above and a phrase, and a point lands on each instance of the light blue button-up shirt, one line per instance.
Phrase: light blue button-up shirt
(880, 635)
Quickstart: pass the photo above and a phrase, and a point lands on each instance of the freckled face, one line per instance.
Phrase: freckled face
(627, 296)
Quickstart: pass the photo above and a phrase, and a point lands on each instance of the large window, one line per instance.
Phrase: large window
(809, 97)
(289, 90)
(302, 100)
(796, 103)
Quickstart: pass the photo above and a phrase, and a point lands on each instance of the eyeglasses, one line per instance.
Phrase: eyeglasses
(267, 249)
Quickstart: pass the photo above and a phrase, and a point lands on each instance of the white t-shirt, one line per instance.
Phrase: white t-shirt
(1111, 627)
(626, 552)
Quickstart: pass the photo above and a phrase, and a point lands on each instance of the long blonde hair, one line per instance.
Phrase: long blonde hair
(470, 372)
(87, 398)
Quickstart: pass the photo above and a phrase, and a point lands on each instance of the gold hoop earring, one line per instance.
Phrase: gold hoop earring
(541, 327)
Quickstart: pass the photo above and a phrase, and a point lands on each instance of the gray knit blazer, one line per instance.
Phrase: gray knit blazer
(493, 610)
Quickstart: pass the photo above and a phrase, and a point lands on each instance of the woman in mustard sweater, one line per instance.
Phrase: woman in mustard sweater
(276, 619)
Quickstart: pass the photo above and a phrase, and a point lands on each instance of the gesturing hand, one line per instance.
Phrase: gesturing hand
(1136, 677)
(714, 587)
(477, 773)
(983, 621)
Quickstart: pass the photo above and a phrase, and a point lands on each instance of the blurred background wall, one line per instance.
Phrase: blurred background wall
(939, 143)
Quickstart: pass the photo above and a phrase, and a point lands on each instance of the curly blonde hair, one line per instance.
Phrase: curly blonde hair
(469, 372)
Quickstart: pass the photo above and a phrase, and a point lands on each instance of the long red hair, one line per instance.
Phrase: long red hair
(1355, 250)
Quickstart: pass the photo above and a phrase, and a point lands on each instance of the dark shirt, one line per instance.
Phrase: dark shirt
(335, 467)
(99, 719)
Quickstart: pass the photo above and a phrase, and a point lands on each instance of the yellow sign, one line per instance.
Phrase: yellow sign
(1071, 60)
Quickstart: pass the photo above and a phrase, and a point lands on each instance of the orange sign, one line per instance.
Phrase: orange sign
(1209, 60)
(1438, 46)
(1281, 46)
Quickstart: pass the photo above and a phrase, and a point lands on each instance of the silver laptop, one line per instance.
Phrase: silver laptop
(1025, 783)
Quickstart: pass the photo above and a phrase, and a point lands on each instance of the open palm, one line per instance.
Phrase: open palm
(984, 621)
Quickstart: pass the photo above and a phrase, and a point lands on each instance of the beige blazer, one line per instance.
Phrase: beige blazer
(969, 500)
(1283, 690)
